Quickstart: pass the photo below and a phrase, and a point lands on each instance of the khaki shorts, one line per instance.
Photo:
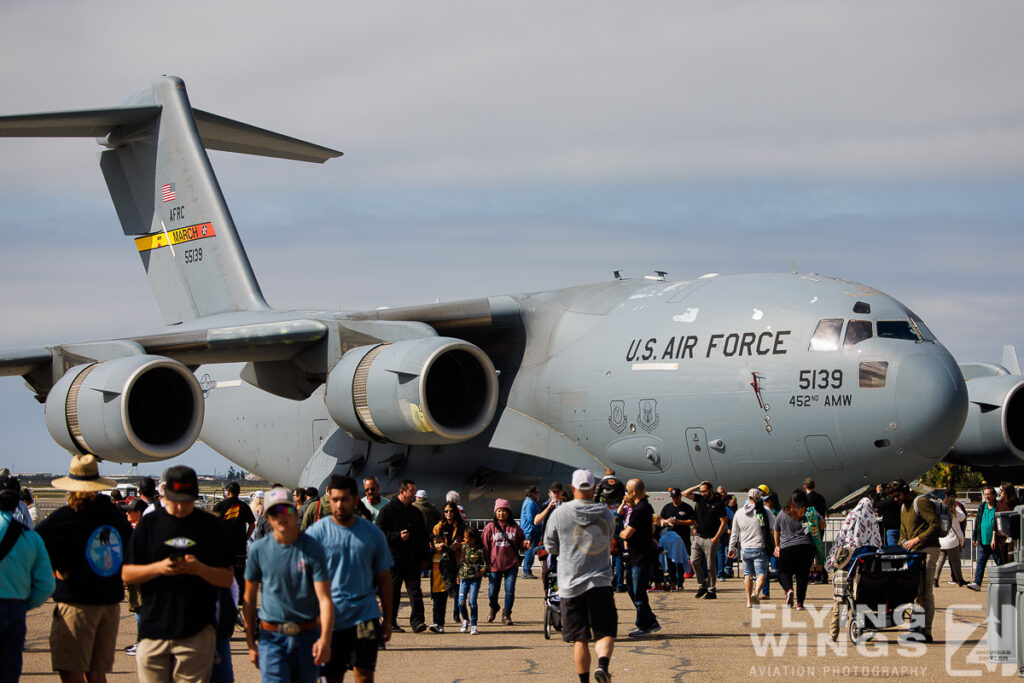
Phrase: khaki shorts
(181, 659)
(83, 637)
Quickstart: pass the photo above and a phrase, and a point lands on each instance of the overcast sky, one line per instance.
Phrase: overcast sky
(506, 148)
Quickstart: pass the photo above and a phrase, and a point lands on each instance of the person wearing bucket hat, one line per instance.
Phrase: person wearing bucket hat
(86, 540)
(503, 540)
(180, 557)
(26, 577)
(292, 637)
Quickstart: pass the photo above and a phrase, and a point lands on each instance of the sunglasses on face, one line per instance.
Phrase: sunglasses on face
(278, 509)
(370, 489)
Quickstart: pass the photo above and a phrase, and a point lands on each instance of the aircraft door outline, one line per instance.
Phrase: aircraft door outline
(700, 454)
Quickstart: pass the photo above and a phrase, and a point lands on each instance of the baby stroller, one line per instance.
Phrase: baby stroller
(875, 590)
(552, 603)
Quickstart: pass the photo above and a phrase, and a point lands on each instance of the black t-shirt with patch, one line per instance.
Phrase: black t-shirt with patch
(681, 512)
(642, 548)
(88, 546)
(178, 606)
(237, 516)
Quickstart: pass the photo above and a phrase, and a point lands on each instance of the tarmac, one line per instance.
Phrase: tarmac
(709, 640)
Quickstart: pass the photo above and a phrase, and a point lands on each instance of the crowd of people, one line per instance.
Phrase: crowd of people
(316, 580)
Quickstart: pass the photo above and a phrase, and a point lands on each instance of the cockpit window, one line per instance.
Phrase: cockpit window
(826, 335)
(922, 329)
(856, 332)
(897, 329)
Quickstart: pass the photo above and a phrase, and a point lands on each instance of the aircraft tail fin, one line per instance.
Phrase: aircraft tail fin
(166, 194)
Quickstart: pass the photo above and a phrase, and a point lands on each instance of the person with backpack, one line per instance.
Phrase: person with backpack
(26, 577)
(920, 530)
(952, 541)
(752, 537)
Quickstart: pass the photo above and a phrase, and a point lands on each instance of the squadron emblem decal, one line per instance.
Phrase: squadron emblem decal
(648, 418)
(617, 418)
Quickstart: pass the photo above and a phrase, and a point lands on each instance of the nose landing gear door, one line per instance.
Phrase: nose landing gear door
(700, 454)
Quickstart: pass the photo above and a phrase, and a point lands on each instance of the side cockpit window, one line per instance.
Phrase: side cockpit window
(897, 329)
(856, 332)
(826, 335)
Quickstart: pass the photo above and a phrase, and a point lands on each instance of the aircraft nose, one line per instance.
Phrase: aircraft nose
(931, 403)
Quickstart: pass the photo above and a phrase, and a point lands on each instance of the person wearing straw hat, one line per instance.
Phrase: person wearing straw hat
(180, 555)
(26, 578)
(86, 540)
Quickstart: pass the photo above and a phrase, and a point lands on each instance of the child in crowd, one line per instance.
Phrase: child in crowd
(471, 569)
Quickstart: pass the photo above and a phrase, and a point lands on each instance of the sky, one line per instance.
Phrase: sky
(502, 148)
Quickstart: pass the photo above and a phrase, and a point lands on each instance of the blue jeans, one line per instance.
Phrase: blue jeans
(639, 578)
(617, 566)
(223, 671)
(12, 639)
(984, 552)
(510, 588)
(469, 589)
(288, 658)
(531, 552)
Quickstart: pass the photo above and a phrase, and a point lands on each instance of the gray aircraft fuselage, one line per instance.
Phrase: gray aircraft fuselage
(673, 382)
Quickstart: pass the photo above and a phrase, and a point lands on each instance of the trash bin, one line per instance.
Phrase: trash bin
(1002, 618)
(1020, 623)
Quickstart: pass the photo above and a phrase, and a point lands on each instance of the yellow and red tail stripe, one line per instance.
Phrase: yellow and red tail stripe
(176, 236)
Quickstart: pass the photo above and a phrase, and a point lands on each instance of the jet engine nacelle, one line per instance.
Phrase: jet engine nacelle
(994, 432)
(133, 409)
(429, 391)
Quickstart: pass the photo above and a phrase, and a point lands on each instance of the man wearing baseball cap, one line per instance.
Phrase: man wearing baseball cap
(86, 540)
(579, 533)
(180, 557)
(296, 616)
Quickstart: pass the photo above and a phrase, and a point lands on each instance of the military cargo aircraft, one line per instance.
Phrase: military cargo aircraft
(743, 379)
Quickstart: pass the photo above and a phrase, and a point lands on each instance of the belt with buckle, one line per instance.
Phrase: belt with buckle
(289, 628)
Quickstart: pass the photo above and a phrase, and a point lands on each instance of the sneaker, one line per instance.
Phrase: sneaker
(701, 592)
(395, 628)
(529, 575)
(419, 628)
(973, 586)
(621, 589)
(656, 627)
(789, 598)
(131, 649)
(472, 630)
(953, 583)
(465, 626)
(602, 675)
(639, 633)
(434, 628)
(711, 596)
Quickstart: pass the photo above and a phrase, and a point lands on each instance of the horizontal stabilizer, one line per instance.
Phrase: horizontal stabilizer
(228, 135)
(87, 123)
(215, 132)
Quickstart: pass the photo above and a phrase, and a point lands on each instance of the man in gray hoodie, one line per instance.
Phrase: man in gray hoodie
(579, 534)
(750, 541)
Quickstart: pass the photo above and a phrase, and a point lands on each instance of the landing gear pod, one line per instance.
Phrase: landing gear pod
(430, 391)
(134, 409)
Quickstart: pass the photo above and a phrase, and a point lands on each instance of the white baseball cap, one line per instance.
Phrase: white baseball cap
(583, 480)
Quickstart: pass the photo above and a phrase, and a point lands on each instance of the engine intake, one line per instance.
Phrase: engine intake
(429, 391)
(133, 409)
(994, 432)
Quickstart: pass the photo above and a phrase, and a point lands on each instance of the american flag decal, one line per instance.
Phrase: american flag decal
(168, 192)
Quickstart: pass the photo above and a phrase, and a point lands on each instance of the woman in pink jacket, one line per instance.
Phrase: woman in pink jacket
(503, 540)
